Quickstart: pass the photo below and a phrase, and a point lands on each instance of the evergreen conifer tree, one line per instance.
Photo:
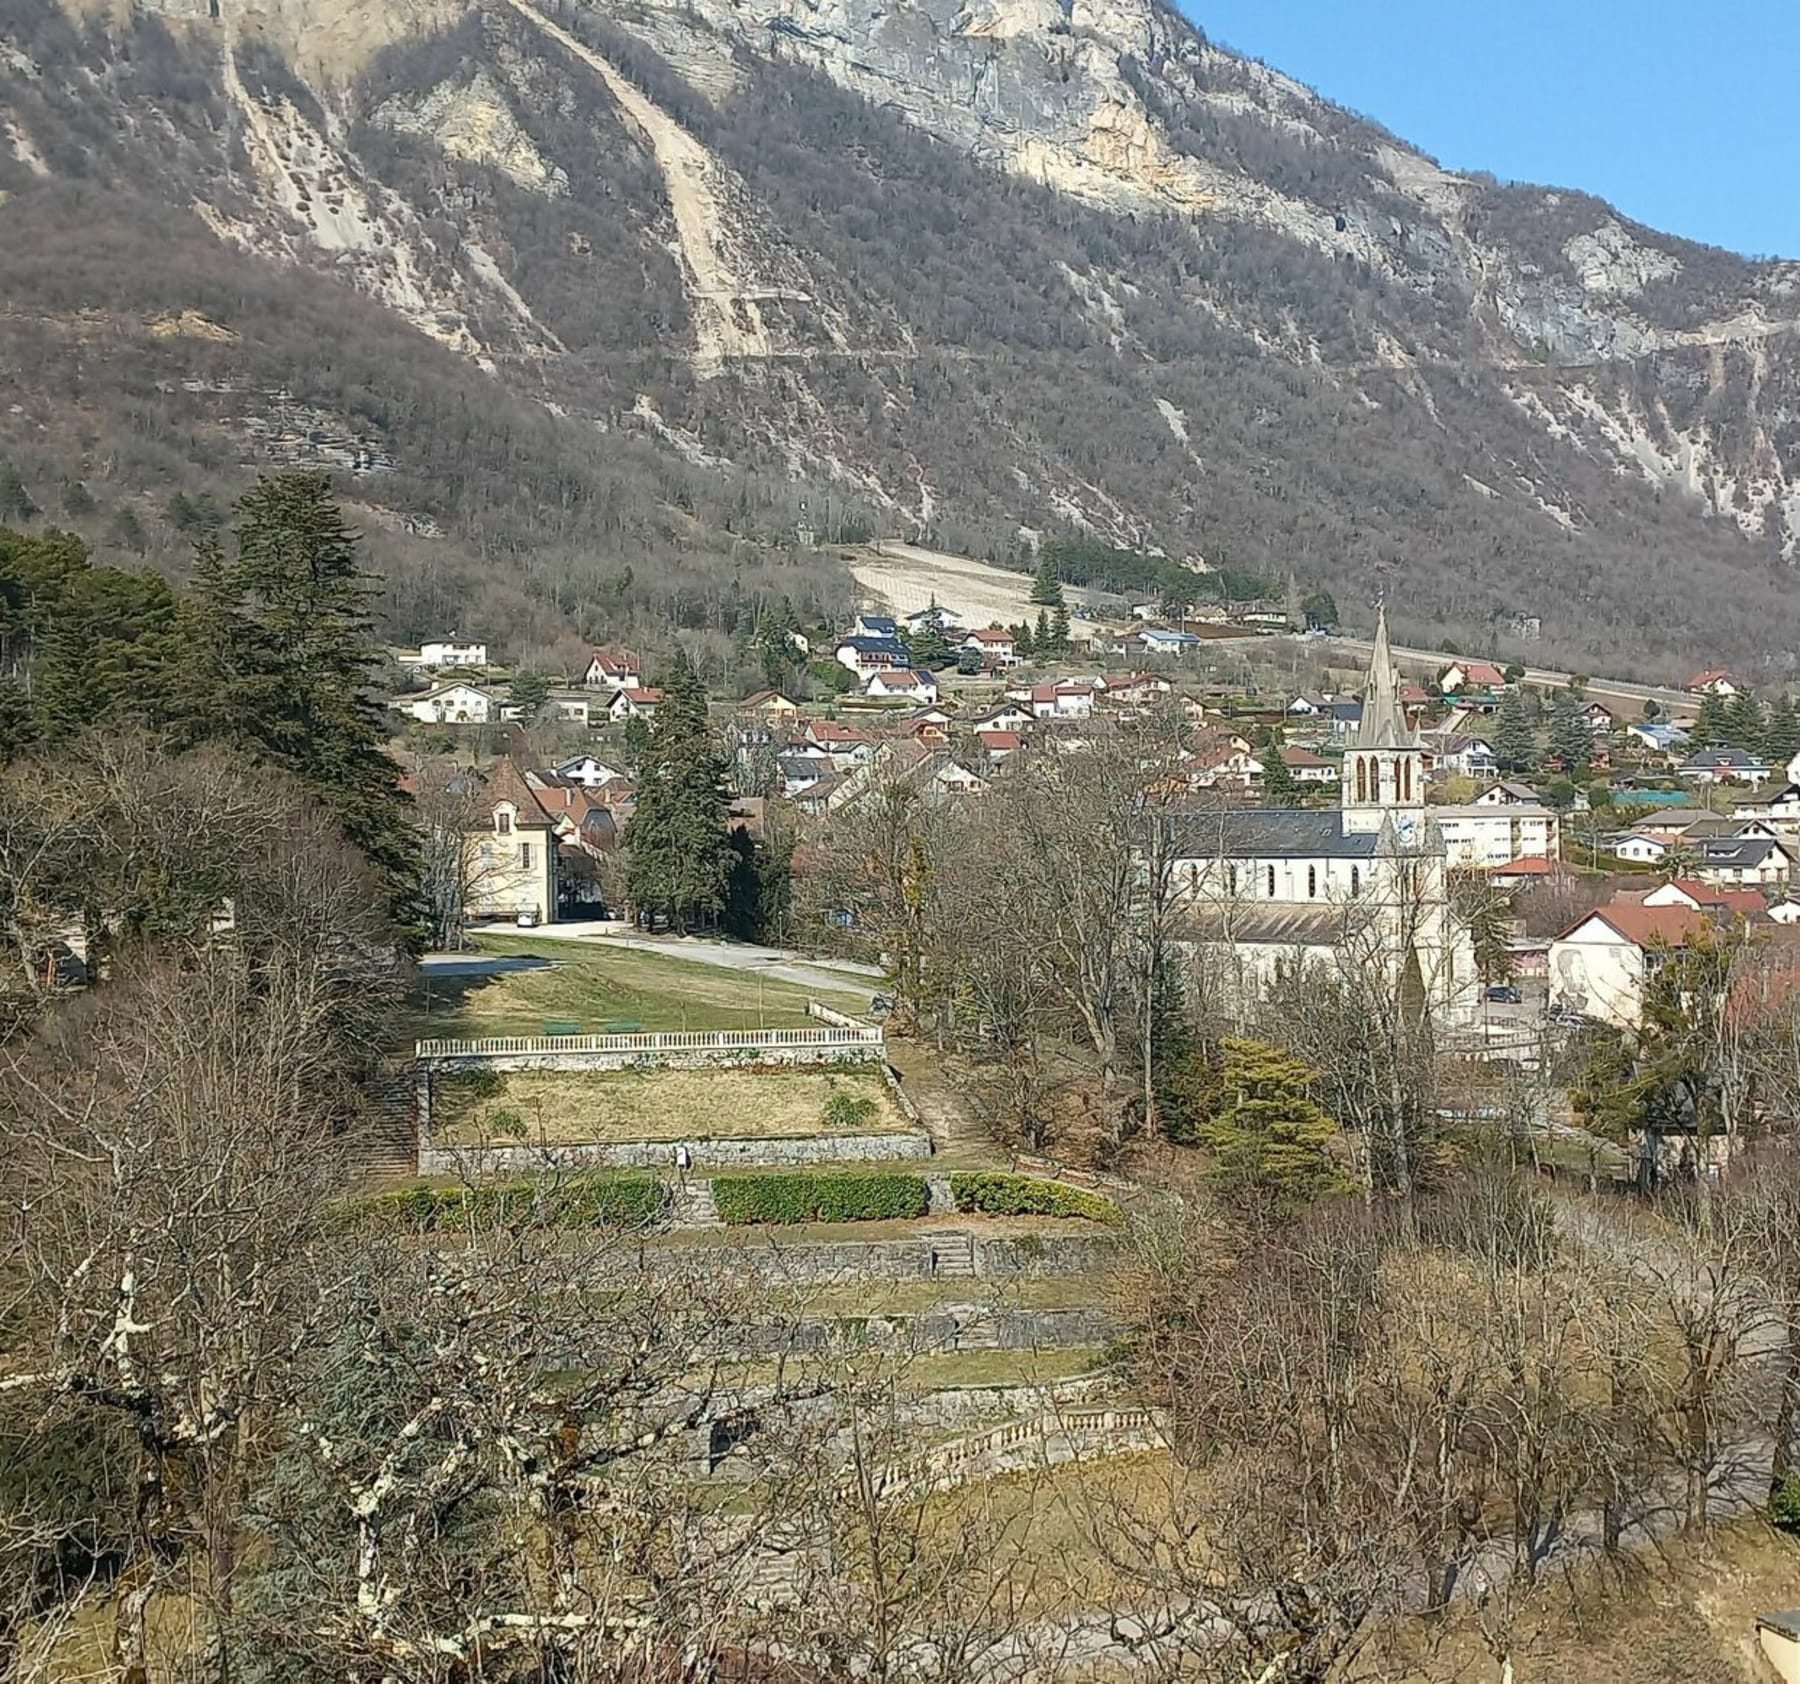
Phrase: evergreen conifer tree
(1782, 734)
(1270, 1141)
(1571, 737)
(1515, 736)
(1745, 725)
(1046, 586)
(1278, 785)
(1059, 628)
(286, 649)
(1709, 728)
(678, 853)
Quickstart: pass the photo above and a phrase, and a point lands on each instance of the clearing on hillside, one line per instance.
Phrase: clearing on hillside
(908, 578)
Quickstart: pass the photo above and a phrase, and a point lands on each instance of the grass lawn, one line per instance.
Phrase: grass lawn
(561, 1107)
(600, 985)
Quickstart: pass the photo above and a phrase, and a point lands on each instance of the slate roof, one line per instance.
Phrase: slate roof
(1269, 833)
(1268, 924)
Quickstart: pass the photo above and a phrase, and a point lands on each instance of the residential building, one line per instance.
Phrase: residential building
(902, 684)
(1166, 640)
(1601, 719)
(452, 704)
(1659, 736)
(1722, 903)
(1759, 860)
(993, 644)
(569, 707)
(512, 853)
(882, 626)
(1640, 848)
(1307, 767)
(1523, 872)
(440, 652)
(1479, 838)
(633, 703)
(614, 668)
(1460, 677)
(1724, 766)
(1509, 792)
(1061, 699)
(586, 770)
(866, 655)
(771, 702)
(1458, 754)
(1601, 964)
(1714, 682)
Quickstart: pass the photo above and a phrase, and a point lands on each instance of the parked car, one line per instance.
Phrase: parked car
(527, 920)
(1504, 994)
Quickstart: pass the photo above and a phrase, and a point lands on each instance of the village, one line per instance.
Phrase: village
(1610, 837)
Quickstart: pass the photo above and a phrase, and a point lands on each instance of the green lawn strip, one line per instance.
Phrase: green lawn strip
(820, 1195)
(594, 986)
(997, 1193)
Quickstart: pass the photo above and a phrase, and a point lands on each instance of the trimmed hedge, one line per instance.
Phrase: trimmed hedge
(819, 1196)
(579, 1202)
(998, 1193)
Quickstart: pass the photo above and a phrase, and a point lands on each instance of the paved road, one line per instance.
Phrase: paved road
(1434, 661)
(843, 976)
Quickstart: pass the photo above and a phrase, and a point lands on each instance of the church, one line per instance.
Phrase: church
(1366, 886)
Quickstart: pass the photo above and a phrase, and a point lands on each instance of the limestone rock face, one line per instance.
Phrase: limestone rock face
(984, 270)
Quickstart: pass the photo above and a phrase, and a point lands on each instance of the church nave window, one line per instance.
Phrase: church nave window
(1362, 779)
(1356, 880)
(1271, 882)
(1312, 882)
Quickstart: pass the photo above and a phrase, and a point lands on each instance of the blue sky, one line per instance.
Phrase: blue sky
(1684, 116)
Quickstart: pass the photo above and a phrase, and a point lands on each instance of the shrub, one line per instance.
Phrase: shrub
(849, 1110)
(998, 1193)
(578, 1202)
(819, 1196)
(1784, 1504)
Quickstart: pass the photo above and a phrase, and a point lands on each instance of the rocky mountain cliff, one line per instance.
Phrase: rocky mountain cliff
(565, 285)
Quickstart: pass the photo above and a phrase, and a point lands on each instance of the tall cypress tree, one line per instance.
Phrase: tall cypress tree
(678, 853)
(288, 651)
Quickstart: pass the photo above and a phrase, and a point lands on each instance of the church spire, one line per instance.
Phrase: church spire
(1383, 724)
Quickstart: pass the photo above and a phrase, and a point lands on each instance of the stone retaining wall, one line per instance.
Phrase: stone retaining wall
(971, 1327)
(795, 1151)
(838, 1262)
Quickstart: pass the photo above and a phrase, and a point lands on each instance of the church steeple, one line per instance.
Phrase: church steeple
(1384, 765)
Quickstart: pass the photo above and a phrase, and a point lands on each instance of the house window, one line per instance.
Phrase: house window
(502, 821)
(1312, 882)
(524, 856)
(1271, 882)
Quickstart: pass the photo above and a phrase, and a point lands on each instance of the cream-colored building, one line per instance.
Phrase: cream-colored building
(1601, 965)
(1480, 836)
(512, 860)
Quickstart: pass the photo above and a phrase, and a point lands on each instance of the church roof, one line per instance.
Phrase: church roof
(1383, 723)
(1270, 923)
(1269, 833)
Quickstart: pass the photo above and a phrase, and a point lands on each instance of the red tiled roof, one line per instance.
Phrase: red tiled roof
(1529, 865)
(990, 634)
(1646, 925)
(1001, 739)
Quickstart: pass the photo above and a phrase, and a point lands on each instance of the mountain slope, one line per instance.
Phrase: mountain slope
(972, 272)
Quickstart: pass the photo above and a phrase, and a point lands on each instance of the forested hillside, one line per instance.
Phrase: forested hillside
(600, 312)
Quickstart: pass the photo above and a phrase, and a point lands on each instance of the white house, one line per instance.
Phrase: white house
(1724, 766)
(1470, 675)
(1480, 838)
(452, 704)
(902, 684)
(865, 655)
(1714, 683)
(1758, 860)
(1599, 965)
(1786, 912)
(1640, 848)
(1310, 768)
(1165, 640)
(585, 770)
(447, 652)
(1509, 792)
(875, 625)
(614, 668)
(993, 643)
(633, 703)
(1062, 700)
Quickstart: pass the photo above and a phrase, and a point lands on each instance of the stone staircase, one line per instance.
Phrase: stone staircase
(383, 1144)
(952, 1256)
(691, 1204)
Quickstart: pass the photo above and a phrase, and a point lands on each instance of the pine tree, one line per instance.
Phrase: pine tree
(1041, 640)
(1745, 726)
(1046, 586)
(1269, 1140)
(15, 500)
(678, 853)
(1279, 786)
(1708, 730)
(1571, 737)
(530, 690)
(1515, 736)
(1059, 628)
(282, 662)
(1781, 736)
